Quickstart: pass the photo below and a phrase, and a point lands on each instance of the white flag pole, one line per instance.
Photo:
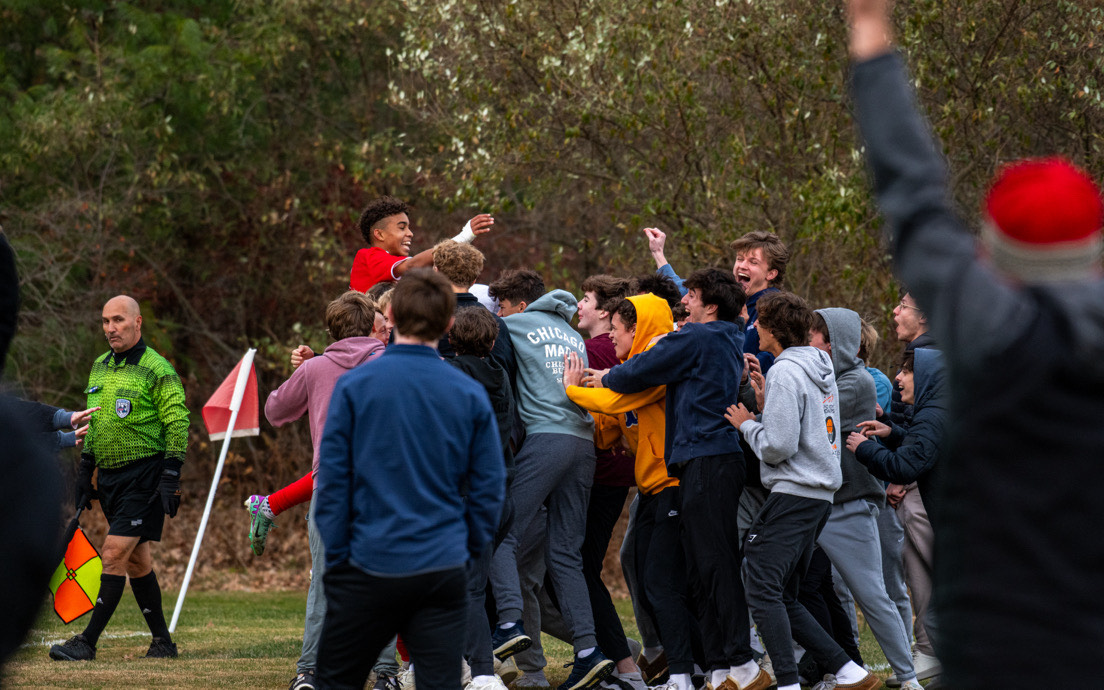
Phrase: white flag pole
(235, 405)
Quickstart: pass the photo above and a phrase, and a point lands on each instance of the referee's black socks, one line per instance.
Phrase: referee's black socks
(148, 595)
(111, 591)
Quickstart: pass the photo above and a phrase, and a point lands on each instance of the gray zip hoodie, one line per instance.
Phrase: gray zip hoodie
(857, 398)
(798, 442)
(541, 336)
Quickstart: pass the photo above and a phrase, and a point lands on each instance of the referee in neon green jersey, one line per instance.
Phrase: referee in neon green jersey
(136, 441)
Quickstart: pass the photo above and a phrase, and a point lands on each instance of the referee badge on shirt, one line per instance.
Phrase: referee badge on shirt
(122, 407)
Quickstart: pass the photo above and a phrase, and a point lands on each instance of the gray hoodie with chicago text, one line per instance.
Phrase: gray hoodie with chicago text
(798, 440)
(541, 336)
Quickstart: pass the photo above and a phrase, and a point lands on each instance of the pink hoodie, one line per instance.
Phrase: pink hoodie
(309, 388)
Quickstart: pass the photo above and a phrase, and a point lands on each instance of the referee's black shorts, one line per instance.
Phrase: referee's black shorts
(130, 500)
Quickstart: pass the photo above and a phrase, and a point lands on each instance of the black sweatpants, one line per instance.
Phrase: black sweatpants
(818, 596)
(603, 509)
(363, 613)
(711, 488)
(777, 553)
(661, 577)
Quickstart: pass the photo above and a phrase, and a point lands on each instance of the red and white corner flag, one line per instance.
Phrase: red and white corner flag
(231, 411)
(232, 395)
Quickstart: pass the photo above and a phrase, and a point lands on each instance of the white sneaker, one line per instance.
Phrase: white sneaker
(507, 670)
(926, 666)
(912, 685)
(485, 683)
(767, 665)
(406, 678)
(827, 683)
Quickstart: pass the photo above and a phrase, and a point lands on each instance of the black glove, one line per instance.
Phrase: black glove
(169, 487)
(85, 492)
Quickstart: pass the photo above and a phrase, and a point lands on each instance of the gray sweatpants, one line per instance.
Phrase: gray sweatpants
(892, 537)
(850, 538)
(316, 608)
(649, 637)
(556, 469)
(539, 616)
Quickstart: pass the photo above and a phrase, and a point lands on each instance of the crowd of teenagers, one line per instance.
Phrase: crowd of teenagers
(475, 445)
(704, 394)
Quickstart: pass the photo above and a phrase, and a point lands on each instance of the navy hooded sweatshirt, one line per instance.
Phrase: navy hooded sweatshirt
(910, 455)
(701, 366)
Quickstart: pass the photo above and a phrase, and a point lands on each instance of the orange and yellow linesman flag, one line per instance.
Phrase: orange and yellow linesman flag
(76, 582)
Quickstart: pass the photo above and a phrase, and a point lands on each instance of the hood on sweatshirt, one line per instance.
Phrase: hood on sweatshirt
(559, 302)
(844, 332)
(541, 336)
(858, 397)
(815, 363)
(349, 353)
(928, 377)
(653, 317)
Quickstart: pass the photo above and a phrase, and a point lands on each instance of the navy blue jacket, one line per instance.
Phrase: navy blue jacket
(751, 335)
(701, 366)
(911, 455)
(404, 433)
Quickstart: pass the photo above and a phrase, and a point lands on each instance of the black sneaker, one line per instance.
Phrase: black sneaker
(386, 683)
(161, 648)
(303, 681)
(507, 642)
(76, 648)
(588, 671)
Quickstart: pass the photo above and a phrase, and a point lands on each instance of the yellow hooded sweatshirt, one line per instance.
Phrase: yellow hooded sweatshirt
(641, 418)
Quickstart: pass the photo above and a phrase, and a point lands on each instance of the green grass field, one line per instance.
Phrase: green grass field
(226, 640)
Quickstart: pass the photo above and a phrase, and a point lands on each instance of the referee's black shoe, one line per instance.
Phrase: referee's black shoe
(76, 648)
(161, 648)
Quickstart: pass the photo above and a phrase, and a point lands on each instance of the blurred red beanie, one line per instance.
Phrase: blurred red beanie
(1046, 215)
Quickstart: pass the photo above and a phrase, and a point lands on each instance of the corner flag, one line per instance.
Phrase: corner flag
(218, 410)
(235, 401)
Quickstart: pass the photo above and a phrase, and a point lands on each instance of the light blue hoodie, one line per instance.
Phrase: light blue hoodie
(541, 336)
